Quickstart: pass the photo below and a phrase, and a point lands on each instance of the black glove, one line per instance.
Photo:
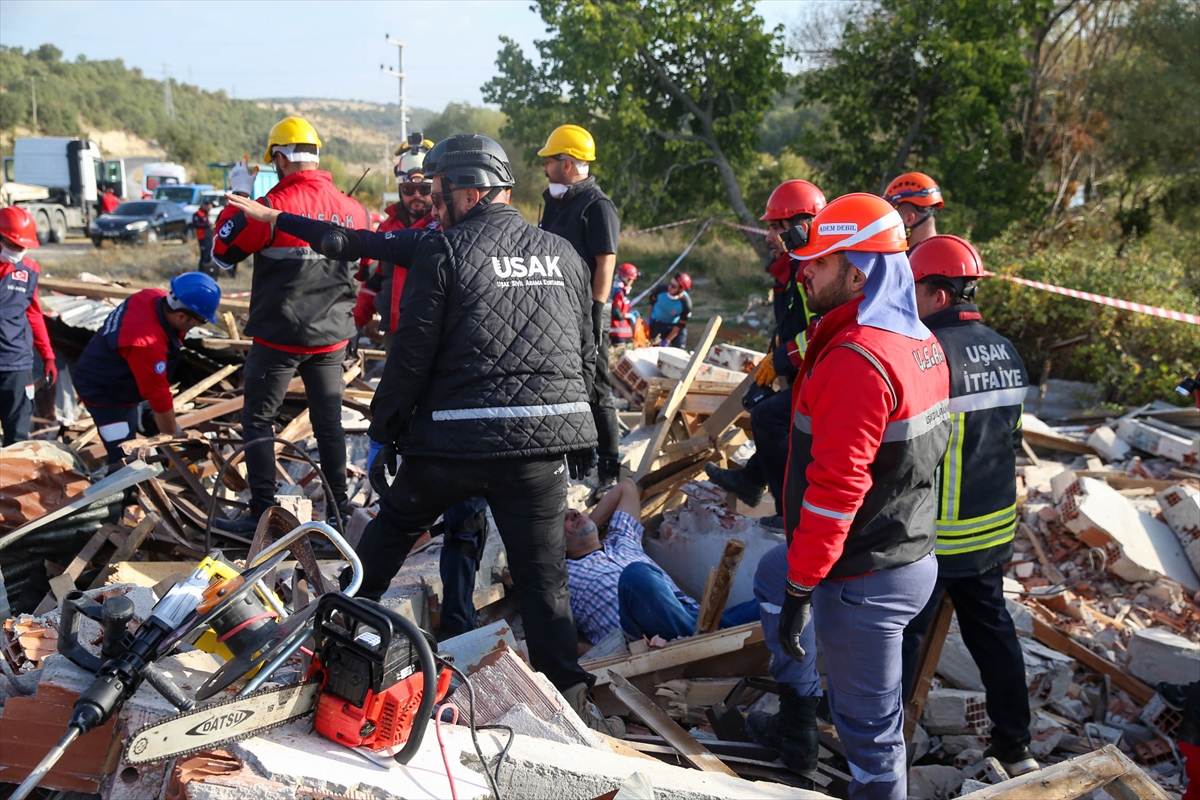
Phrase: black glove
(382, 466)
(580, 463)
(796, 612)
(597, 319)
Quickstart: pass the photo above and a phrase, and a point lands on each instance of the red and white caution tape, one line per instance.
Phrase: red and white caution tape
(674, 263)
(236, 294)
(1165, 313)
(660, 227)
(746, 228)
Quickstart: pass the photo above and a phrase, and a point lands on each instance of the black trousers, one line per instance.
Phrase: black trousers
(990, 636)
(16, 405)
(268, 372)
(604, 412)
(528, 498)
(462, 548)
(116, 424)
(771, 422)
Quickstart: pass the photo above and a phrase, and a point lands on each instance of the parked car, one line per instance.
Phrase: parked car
(141, 221)
(188, 195)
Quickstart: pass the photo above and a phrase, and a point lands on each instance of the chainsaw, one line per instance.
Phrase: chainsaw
(367, 686)
(217, 608)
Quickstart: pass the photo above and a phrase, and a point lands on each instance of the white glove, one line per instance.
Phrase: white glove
(241, 177)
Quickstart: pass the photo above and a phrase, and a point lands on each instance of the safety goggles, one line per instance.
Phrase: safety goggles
(412, 189)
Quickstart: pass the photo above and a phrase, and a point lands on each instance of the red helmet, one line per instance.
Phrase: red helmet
(18, 227)
(858, 221)
(628, 271)
(794, 197)
(684, 280)
(916, 188)
(947, 256)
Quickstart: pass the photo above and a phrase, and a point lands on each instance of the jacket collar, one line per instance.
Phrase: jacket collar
(827, 327)
(572, 190)
(304, 176)
(963, 314)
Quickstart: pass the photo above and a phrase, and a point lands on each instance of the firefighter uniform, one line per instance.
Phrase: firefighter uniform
(977, 514)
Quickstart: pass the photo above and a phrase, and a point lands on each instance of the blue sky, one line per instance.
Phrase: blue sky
(303, 48)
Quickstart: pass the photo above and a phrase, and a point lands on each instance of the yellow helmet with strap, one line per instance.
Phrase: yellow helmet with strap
(570, 140)
(291, 130)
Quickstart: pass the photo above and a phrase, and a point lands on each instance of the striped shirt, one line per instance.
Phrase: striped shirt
(592, 580)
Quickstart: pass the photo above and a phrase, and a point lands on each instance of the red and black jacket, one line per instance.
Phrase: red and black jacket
(132, 357)
(870, 426)
(300, 301)
(201, 225)
(382, 291)
(622, 321)
(22, 327)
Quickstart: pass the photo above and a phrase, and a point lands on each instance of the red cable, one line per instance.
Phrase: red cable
(251, 621)
(437, 724)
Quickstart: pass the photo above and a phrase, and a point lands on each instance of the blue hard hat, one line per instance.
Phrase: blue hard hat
(197, 293)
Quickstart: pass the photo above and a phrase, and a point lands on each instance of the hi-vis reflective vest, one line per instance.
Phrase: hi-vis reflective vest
(977, 492)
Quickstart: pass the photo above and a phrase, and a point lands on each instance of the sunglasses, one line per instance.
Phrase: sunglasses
(411, 189)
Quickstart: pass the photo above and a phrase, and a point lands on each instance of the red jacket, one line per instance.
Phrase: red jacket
(870, 427)
(388, 280)
(109, 203)
(300, 302)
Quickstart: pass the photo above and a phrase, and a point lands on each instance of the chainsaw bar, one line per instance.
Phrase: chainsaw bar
(220, 723)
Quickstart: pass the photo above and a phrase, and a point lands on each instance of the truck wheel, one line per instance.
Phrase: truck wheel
(98, 241)
(42, 220)
(58, 232)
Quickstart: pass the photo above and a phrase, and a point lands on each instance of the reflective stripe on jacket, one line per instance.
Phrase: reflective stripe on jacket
(870, 427)
(977, 491)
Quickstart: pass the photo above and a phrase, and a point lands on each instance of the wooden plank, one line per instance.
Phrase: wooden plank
(1050, 441)
(1119, 480)
(85, 555)
(701, 403)
(927, 661)
(1056, 639)
(1136, 785)
(658, 721)
(678, 477)
(1049, 571)
(128, 547)
(230, 325)
(209, 413)
(103, 291)
(721, 388)
(678, 652)
(712, 605)
(1064, 781)
(194, 391)
(720, 420)
(675, 399)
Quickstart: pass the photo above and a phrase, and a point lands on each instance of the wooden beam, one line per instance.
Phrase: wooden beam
(678, 652)
(128, 547)
(1071, 779)
(720, 420)
(209, 413)
(197, 389)
(712, 605)
(230, 325)
(927, 661)
(675, 399)
(104, 291)
(1057, 640)
(1052, 441)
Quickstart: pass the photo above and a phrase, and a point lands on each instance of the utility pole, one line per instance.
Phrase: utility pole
(33, 92)
(404, 109)
(168, 106)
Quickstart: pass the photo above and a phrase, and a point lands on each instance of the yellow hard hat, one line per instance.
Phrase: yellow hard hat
(570, 140)
(291, 130)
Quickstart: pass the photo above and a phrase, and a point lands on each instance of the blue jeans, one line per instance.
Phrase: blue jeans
(770, 582)
(650, 608)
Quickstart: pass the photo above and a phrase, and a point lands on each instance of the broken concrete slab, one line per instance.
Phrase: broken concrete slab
(1139, 547)
(1180, 506)
(1104, 440)
(732, 357)
(1158, 655)
(1161, 439)
(934, 781)
(955, 711)
(672, 362)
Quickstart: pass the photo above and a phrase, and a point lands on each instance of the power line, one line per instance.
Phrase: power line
(404, 109)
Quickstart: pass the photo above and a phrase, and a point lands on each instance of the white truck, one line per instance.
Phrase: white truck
(73, 174)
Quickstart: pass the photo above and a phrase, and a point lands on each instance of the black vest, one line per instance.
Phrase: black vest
(564, 216)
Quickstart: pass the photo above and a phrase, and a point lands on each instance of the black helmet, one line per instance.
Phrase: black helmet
(470, 161)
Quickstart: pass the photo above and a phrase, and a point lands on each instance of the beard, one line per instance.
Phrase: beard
(836, 293)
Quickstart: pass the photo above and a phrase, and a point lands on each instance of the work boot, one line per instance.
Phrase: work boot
(608, 472)
(736, 481)
(1016, 760)
(242, 527)
(577, 696)
(793, 731)
(773, 522)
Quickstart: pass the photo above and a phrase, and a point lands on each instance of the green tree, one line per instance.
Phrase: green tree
(674, 92)
(930, 85)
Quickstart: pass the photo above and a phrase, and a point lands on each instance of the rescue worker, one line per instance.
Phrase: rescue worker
(133, 356)
(301, 306)
(485, 391)
(382, 290)
(793, 203)
(579, 211)
(22, 327)
(870, 428)
(203, 228)
(977, 491)
(917, 198)
(109, 201)
(670, 308)
(624, 318)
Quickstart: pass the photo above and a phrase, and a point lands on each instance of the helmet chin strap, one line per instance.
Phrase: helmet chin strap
(928, 215)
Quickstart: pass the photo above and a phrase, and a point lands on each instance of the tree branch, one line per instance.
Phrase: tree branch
(673, 167)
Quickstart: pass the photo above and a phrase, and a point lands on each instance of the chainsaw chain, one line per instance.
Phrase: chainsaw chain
(198, 712)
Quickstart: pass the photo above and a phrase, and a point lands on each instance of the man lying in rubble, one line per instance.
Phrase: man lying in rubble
(614, 584)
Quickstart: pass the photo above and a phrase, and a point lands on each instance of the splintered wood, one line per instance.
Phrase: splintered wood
(720, 581)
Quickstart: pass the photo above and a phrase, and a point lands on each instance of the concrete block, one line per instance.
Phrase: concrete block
(672, 362)
(1158, 655)
(738, 359)
(1140, 548)
(297, 505)
(636, 366)
(956, 666)
(1104, 440)
(955, 711)
(934, 781)
(990, 770)
(1161, 439)
(1181, 509)
(971, 785)
(968, 758)
(1061, 484)
(1022, 619)
(1048, 673)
